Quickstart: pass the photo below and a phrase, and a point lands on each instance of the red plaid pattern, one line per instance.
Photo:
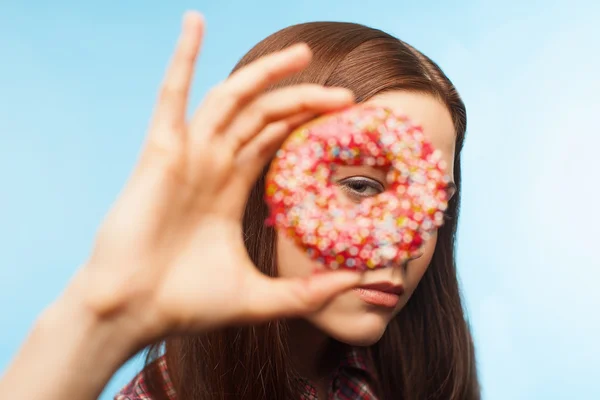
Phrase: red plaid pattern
(351, 381)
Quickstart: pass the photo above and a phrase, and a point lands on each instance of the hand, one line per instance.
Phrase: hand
(170, 255)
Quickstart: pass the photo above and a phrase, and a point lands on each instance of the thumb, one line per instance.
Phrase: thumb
(286, 297)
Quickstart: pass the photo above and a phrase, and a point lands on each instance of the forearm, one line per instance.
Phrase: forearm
(69, 354)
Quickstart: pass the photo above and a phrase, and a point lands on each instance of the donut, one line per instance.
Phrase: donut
(381, 231)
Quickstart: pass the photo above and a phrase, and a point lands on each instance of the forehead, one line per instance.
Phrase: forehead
(428, 112)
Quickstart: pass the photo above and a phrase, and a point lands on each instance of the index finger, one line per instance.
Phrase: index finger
(222, 104)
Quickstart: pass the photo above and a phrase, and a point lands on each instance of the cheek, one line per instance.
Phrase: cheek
(417, 268)
(293, 262)
(346, 318)
(291, 259)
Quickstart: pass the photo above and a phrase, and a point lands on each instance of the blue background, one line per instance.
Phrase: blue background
(78, 81)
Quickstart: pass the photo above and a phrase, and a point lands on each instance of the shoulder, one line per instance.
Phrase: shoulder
(137, 388)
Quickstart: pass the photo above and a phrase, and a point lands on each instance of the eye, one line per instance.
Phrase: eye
(359, 187)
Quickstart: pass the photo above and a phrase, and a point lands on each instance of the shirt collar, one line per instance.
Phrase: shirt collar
(356, 357)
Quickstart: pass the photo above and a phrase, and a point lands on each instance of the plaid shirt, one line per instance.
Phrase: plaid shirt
(351, 381)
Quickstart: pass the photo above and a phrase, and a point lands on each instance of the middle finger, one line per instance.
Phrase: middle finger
(225, 100)
(281, 104)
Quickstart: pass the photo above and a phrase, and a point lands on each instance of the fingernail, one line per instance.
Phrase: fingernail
(300, 45)
(342, 92)
(189, 17)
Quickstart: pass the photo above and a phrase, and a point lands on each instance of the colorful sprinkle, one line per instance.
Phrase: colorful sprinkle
(384, 230)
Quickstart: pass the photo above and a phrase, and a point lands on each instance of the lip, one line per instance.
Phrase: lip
(383, 294)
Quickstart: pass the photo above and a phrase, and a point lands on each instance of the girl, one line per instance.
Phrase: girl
(232, 308)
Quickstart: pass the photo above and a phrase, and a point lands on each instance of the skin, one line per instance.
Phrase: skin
(347, 318)
(169, 257)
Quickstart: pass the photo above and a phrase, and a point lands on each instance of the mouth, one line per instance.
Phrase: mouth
(383, 294)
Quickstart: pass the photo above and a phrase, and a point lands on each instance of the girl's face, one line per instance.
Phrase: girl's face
(357, 317)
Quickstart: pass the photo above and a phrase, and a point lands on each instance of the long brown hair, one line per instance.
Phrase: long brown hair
(426, 351)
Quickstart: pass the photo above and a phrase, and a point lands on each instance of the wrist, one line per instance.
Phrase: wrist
(84, 350)
(69, 353)
(113, 306)
(70, 316)
(114, 324)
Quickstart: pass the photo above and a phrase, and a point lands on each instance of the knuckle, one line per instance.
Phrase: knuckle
(307, 89)
(166, 138)
(300, 104)
(266, 68)
(167, 158)
(186, 54)
(236, 141)
(225, 95)
(307, 305)
(270, 73)
(304, 296)
(168, 91)
(311, 87)
(168, 132)
(260, 109)
(254, 117)
(304, 105)
(216, 93)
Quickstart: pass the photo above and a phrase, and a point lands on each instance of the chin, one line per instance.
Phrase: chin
(364, 329)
